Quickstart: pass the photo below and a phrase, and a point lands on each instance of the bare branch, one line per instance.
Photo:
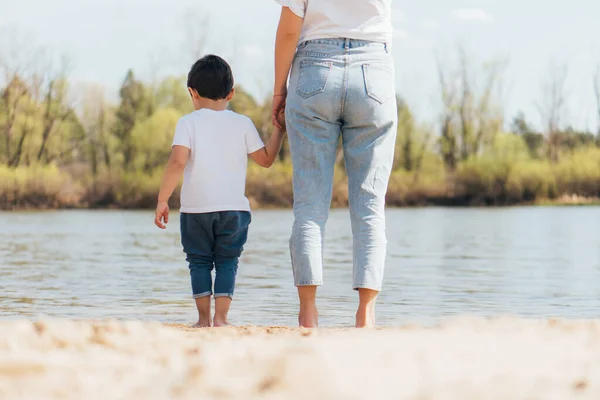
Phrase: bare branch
(597, 95)
(553, 108)
(196, 34)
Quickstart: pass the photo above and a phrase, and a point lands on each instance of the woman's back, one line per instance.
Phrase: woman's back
(352, 19)
(341, 86)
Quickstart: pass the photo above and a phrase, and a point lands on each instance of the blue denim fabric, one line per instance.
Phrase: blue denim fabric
(341, 88)
(214, 240)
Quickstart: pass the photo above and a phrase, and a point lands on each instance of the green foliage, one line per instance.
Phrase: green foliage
(136, 105)
(172, 93)
(152, 139)
(98, 154)
(35, 186)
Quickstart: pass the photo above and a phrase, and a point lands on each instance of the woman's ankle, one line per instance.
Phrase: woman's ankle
(365, 315)
(308, 317)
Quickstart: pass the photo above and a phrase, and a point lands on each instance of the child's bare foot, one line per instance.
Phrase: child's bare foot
(220, 323)
(222, 305)
(201, 324)
(203, 306)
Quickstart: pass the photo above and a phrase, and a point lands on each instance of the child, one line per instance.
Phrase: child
(211, 149)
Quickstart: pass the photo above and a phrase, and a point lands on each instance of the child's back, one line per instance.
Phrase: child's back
(211, 148)
(215, 175)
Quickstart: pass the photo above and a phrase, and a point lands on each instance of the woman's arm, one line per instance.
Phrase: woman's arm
(286, 41)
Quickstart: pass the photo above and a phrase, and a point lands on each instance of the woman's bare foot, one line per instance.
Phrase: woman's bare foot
(365, 316)
(308, 317)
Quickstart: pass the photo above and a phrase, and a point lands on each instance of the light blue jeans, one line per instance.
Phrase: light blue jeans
(341, 88)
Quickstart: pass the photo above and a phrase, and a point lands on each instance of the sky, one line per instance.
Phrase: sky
(102, 39)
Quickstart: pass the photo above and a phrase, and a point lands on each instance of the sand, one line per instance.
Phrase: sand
(507, 359)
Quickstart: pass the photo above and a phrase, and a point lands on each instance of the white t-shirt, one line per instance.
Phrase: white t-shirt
(353, 19)
(215, 175)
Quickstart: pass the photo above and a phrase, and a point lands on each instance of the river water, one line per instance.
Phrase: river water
(529, 261)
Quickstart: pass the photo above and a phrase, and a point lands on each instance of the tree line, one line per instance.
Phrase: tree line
(61, 150)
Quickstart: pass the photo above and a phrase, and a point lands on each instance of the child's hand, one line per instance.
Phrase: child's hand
(162, 215)
(281, 118)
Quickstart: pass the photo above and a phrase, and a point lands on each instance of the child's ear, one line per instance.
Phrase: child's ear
(193, 93)
(230, 95)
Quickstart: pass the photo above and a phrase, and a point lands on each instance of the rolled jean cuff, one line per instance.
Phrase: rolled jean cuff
(199, 296)
(309, 283)
(230, 295)
(366, 286)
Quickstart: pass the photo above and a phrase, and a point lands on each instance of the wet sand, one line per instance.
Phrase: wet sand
(463, 359)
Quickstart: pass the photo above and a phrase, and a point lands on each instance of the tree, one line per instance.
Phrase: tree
(135, 106)
(14, 101)
(447, 139)
(472, 114)
(534, 140)
(597, 95)
(405, 139)
(152, 139)
(96, 116)
(56, 112)
(553, 107)
(172, 92)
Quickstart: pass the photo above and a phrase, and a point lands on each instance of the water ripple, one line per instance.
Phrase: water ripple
(534, 262)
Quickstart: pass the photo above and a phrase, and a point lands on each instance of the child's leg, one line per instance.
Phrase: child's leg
(222, 305)
(231, 232)
(203, 307)
(226, 271)
(197, 239)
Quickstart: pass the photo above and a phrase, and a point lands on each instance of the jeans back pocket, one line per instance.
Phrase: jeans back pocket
(313, 77)
(379, 81)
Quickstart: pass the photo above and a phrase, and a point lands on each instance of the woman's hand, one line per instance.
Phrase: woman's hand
(278, 109)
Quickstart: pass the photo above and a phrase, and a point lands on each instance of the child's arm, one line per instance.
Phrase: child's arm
(266, 156)
(175, 167)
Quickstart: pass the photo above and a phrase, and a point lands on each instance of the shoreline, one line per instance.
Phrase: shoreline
(573, 201)
(460, 359)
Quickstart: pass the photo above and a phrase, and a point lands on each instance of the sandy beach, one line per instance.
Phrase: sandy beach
(461, 359)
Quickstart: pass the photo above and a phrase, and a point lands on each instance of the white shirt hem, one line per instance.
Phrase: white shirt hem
(387, 39)
(209, 209)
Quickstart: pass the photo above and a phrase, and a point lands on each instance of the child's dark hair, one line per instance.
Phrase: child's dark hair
(211, 77)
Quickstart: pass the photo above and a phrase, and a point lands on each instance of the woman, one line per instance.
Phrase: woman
(341, 84)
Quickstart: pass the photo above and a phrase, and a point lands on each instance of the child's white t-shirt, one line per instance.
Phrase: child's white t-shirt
(215, 175)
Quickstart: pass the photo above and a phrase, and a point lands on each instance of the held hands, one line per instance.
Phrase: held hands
(162, 215)
(278, 110)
